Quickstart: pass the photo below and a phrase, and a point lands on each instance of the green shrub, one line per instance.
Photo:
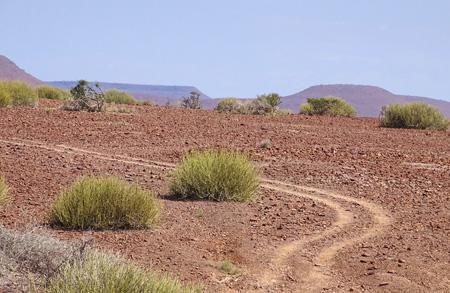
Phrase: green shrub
(413, 115)
(215, 175)
(17, 93)
(51, 93)
(119, 97)
(307, 109)
(228, 268)
(104, 203)
(99, 272)
(3, 191)
(328, 106)
(230, 105)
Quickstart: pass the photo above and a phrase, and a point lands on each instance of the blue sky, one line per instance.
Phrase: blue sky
(234, 48)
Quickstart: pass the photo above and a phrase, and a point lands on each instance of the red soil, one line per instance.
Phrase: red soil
(381, 222)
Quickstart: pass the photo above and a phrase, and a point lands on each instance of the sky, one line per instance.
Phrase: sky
(234, 47)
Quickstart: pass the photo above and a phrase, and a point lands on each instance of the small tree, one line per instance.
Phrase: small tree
(86, 98)
(272, 99)
(191, 102)
(265, 104)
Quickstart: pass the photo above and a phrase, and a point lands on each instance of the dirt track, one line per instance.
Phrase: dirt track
(354, 237)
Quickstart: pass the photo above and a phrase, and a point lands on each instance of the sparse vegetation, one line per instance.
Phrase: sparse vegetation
(285, 112)
(32, 260)
(215, 175)
(86, 98)
(100, 272)
(104, 203)
(119, 97)
(413, 115)
(113, 108)
(35, 255)
(17, 93)
(3, 191)
(49, 110)
(51, 93)
(228, 268)
(267, 104)
(192, 101)
(327, 106)
(148, 103)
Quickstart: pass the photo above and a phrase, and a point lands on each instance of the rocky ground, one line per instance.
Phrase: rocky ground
(354, 206)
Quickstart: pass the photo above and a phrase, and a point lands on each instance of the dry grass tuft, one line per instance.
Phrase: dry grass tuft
(101, 272)
(215, 175)
(3, 191)
(119, 97)
(52, 93)
(34, 262)
(228, 267)
(30, 258)
(105, 203)
(17, 93)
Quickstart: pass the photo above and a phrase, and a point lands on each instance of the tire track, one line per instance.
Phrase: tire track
(315, 278)
(318, 276)
(282, 254)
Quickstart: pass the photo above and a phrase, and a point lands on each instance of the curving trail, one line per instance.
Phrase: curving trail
(315, 277)
(318, 277)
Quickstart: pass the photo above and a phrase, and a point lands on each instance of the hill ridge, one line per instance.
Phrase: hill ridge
(10, 71)
(159, 94)
(367, 99)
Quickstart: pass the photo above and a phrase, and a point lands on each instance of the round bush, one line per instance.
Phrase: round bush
(104, 203)
(3, 191)
(413, 115)
(327, 106)
(19, 92)
(99, 272)
(215, 175)
(51, 93)
(229, 105)
(119, 97)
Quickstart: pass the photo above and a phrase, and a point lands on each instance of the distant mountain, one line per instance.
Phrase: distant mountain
(160, 94)
(10, 71)
(367, 100)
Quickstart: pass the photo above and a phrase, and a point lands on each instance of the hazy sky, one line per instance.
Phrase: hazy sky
(234, 47)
